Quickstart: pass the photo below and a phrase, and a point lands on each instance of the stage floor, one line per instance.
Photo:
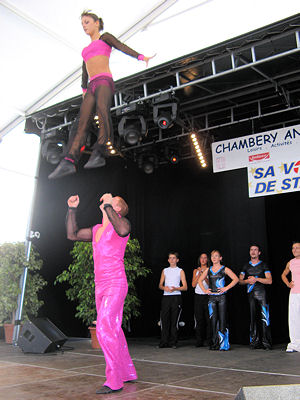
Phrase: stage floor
(184, 373)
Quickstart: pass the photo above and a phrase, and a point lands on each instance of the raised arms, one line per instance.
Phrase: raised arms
(73, 233)
(121, 225)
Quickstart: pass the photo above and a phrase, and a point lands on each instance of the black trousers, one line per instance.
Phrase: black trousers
(202, 323)
(169, 317)
(217, 315)
(258, 305)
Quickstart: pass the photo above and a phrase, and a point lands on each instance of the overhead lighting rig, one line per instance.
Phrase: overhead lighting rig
(197, 148)
(110, 148)
(174, 159)
(54, 145)
(165, 109)
(148, 162)
(171, 155)
(53, 150)
(132, 126)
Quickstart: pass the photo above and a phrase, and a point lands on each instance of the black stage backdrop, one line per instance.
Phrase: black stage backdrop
(177, 208)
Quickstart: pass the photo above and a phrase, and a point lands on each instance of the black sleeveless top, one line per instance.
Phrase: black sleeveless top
(216, 279)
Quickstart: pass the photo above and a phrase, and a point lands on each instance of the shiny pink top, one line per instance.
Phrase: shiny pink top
(96, 48)
(295, 270)
(108, 255)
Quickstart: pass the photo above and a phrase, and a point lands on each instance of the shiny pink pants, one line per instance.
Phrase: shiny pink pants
(119, 366)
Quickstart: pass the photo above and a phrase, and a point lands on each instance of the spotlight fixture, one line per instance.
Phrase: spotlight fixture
(132, 128)
(197, 148)
(174, 159)
(164, 110)
(147, 162)
(148, 167)
(53, 150)
(163, 117)
(171, 155)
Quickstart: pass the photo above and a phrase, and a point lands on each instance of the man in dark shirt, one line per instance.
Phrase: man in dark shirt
(255, 274)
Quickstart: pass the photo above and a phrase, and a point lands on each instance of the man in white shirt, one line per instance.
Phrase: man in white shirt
(171, 301)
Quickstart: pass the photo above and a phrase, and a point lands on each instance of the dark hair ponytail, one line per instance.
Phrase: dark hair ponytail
(101, 24)
(89, 13)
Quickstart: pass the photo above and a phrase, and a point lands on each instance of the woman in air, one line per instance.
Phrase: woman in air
(97, 95)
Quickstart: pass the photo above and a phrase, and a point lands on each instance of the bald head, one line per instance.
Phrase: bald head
(121, 206)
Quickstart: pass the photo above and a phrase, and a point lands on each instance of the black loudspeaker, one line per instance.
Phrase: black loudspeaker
(278, 392)
(40, 336)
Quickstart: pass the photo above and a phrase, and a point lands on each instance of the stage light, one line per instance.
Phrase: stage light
(165, 114)
(174, 159)
(197, 148)
(164, 120)
(171, 155)
(147, 162)
(132, 129)
(53, 150)
(110, 147)
(148, 167)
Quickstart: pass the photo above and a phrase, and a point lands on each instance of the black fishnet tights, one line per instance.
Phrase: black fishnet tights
(101, 101)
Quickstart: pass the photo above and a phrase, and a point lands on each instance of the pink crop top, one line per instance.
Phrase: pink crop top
(96, 48)
(103, 47)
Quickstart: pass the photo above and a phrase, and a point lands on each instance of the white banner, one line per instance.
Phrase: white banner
(270, 146)
(279, 177)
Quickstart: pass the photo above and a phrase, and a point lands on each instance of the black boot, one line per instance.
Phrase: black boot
(64, 168)
(96, 159)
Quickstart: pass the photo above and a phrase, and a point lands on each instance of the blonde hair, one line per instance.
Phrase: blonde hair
(216, 251)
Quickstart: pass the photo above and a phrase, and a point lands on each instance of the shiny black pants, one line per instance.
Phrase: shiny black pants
(217, 315)
(259, 315)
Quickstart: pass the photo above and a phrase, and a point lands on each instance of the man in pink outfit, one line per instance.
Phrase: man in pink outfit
(109, 243)
(293, 267)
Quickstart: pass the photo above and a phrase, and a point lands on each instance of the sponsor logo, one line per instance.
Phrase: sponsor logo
(259, 157)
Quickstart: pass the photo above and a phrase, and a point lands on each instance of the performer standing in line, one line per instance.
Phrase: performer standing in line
(217, 299)
(109, 243)
(171, 301)
(256, 274)
(98, 94)
(202, 323)
(293, 267)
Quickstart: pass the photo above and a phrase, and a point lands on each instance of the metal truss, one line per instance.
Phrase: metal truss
(251, 82)
(253, 63)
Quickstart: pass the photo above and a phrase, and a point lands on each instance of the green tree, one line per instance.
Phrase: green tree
(80, 277)
(12, 263)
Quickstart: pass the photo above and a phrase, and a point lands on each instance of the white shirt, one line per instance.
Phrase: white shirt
(172, 278)
(198, 289)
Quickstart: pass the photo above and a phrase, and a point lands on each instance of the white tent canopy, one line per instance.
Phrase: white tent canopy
(41, 44)
(42, 41)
